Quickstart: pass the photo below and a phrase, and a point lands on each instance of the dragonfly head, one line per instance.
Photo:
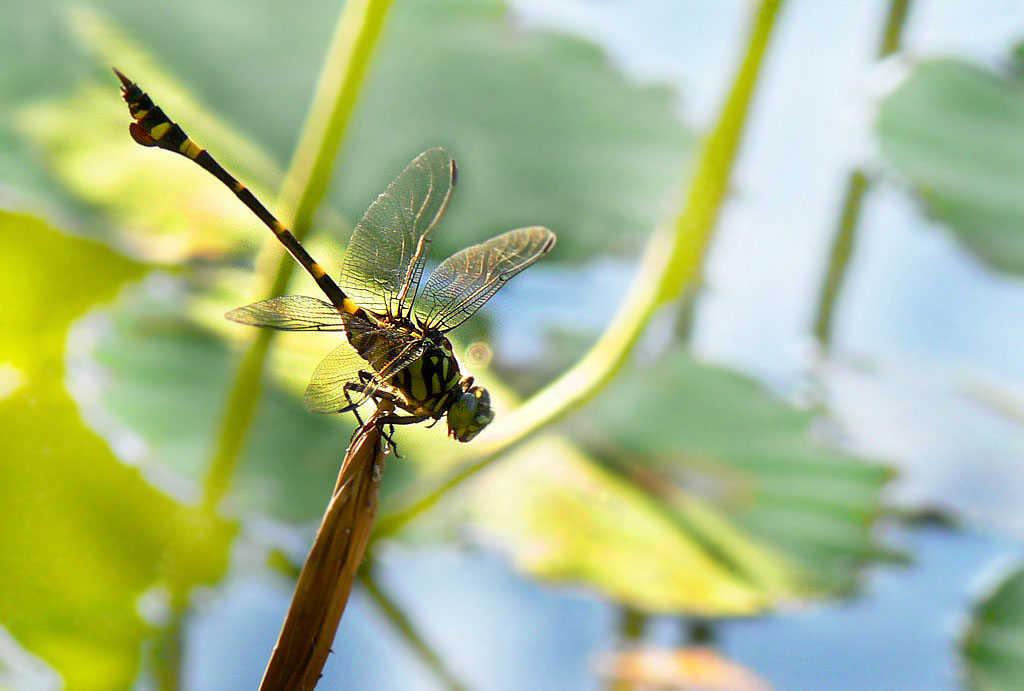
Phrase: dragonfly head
(470, 412)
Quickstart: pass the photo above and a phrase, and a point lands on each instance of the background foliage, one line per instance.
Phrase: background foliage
(687, 489)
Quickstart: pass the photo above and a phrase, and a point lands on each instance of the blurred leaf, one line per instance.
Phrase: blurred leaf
(545, 130)
(39, 59)
(161, 375)
(267, 93)
(715, 498)
(1017, 54)
(993, 648)
(166, 380)
(695, 430)
(565, 519)
(565, 142)
(685, 669)
(956, 132)
(86, 535)
(168, 208)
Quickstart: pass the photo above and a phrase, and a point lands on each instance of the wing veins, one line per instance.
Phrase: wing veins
(415, 264)
(290, 313)
(468, 279)
(385, 260)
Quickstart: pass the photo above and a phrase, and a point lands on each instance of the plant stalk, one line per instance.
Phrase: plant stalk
(671, 263)
(325, 582)
(407, 631)
(857, 187)
(348, 59)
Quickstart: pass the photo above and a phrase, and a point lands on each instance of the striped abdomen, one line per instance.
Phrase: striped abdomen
(151, 127)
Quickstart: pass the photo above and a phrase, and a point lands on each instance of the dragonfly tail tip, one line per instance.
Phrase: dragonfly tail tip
(120, 75)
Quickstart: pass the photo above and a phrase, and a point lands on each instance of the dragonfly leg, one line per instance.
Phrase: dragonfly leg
(403, 419)
(389, 438)
(366, 386)
(353, 406)
(392, 420)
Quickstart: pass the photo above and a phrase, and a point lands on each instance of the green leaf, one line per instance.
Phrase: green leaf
(166, 379)
(752, 507)
(86, 535)
(564, 115)
(566, 141)
(993, 647)
(956, 132)
(544, 130)
(565, 519)
(166, 208)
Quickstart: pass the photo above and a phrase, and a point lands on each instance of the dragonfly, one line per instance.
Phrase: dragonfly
(394, 345)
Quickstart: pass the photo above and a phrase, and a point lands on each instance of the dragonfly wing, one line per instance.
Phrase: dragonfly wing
(382, 353)
(326, 391)
(385, 257)
(386, 350)
(468, 279)
(403, 358)
(290, 313)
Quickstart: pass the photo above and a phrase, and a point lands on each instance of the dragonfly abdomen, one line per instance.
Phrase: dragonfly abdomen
(152, 127)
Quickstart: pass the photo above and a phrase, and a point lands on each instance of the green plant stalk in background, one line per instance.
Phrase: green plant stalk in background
(671, 262)
(405, 628)
(347, 63)
(348, 60)
(839, 256)
(857, 187)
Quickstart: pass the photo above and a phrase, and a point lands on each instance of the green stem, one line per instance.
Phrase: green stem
(892, 35)
(853, 200)
(670, 264)
(404, 626)
(632, 626)
(839, 257)
(168, 654)
(238, 417)
(699, 632)
(337, 93)
(686, 315)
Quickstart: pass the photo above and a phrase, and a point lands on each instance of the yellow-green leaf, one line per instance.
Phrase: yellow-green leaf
(85, 535)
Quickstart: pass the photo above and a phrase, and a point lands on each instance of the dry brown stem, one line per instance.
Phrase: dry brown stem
(326, 578)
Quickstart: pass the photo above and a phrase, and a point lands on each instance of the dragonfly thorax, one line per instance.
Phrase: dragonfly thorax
(433, 386)
(429, 383)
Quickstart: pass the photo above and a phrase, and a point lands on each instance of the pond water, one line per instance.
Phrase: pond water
(498, 631)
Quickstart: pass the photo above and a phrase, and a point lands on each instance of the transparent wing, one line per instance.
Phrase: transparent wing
(290, 313)
(384, 261)
(385, 350)
(468, 279)
(402, 359)
(326, 392)
(382, 353)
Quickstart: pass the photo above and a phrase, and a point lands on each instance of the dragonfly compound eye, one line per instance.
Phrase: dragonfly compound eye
(469, 414)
